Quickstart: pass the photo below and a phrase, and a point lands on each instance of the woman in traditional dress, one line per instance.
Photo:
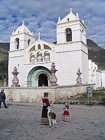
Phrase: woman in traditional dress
(66, 115)
(46, 103)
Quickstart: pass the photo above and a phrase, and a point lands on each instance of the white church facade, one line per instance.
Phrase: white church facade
(33, 58)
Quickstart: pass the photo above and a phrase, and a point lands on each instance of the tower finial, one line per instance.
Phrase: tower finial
(83, 21)
(77, 15)
(23, 22)
(59, 19)
(70, 10)
(39, 35)
(13, 32)
(32, 33)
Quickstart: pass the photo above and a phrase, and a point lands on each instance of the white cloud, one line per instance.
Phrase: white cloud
(41, 16)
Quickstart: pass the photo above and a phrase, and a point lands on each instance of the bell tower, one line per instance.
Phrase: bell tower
(72, 50)
(71, 29)
(21, 38)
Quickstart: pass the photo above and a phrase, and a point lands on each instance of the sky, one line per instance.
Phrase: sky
(42, 16)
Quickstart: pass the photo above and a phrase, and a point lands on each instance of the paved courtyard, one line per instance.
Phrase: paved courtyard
(21, 121)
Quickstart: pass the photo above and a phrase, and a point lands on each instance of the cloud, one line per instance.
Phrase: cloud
(41, 16)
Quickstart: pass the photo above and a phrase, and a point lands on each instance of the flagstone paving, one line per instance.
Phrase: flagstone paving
(21, 121)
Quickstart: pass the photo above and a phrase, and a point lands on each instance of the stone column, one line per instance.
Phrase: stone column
(53, 79)
(79, 79)
(15, 80)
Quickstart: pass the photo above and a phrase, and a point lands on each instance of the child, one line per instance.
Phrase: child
(66, 115)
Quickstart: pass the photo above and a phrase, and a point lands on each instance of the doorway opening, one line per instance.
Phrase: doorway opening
(43, 80)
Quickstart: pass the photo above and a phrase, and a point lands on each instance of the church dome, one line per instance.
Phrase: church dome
(22, 29)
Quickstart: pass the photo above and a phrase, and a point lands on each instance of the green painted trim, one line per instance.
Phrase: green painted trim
(31, 82)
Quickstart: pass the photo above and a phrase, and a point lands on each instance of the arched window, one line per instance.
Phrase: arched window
(39, 57)
(39, 46)
(29, 42)
(32, 58)
(47, 47)
(46, 56)
(68, 34)
(17, 43)
(32, 49)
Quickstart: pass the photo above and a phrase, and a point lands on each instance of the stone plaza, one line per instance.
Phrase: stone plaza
(21, 121)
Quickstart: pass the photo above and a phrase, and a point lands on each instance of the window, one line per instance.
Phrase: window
(68, 34)
(46, 56)
(68, 19)
(29, 42)
(39, 57)
(17, 43)
(32, 58)
(39, 46)
(32, 49)
(47, 47)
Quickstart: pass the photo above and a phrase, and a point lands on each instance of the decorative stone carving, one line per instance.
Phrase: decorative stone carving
(79, 79)
(15, 80)
(53, 79)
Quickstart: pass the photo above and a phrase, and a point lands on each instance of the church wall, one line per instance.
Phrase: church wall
(94, 74)
(16, 60)
(71, 46)
(67, 65)
(103, 79)
(70, 57)
(20, 69)
(84, 69)
(98, 79)
(76, 33)
(26, 38)
(22, 94)
(83, 36)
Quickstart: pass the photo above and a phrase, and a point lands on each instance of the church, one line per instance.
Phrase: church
(33, 58)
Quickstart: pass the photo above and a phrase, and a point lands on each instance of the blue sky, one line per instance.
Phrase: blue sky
(42, 16)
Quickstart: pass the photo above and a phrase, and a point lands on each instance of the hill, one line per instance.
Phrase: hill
(4, 47)
(96, 54)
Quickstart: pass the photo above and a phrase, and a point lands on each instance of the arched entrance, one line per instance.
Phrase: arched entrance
(38, 76)
(42, 80)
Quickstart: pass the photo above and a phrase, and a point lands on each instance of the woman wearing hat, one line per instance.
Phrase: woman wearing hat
(46, 103)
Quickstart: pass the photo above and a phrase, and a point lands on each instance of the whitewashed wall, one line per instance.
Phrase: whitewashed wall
(98, 79)
(103, 79)
(22, 94)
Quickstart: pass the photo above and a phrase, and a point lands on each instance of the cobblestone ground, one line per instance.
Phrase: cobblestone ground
(21, 121)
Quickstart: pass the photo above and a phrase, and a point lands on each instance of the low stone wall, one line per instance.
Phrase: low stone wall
(26, 94)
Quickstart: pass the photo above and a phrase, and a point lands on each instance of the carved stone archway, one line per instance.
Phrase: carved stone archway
(42, 73)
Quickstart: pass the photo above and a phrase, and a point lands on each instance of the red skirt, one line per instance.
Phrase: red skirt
(66, 116)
